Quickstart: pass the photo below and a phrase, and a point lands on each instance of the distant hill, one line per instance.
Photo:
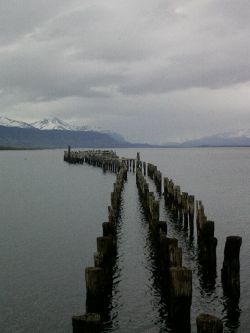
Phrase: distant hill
(34, 138)
(240, 138)
(55, 133)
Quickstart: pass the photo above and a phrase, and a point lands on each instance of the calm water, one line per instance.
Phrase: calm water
(51, 214)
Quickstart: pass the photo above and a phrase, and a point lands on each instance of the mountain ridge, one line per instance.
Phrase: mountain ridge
(239, 138)
(55, 133)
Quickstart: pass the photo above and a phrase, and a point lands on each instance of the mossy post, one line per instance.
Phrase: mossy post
(180, 298)
(208, 324)
(230, 273)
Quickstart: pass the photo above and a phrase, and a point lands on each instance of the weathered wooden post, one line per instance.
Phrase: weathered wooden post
(208, 324)
(175, 256)
(191, 201)
(185, 208)
(155, 211)
(108, 229)
(144, 168)
(180, 298)
(138, 156)
(105, 246)
(96, 284)
(69, 152)
(207, 248)
(87, 323)
(133, 165)
(230, 273)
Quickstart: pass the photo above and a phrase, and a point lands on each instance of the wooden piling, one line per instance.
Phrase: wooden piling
(95, 281)
(96, 287)
(108, 229)
(133, 165)
(144, 168)
(138, 157)
(191, 201)
(105, 246)
(69, 152)
(180, 298)
(175, 256)
(207, 246)
(230, 273)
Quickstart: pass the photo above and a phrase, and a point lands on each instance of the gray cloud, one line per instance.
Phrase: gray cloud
(122, 64)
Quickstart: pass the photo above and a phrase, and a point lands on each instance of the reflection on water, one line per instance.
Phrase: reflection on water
(231, 314)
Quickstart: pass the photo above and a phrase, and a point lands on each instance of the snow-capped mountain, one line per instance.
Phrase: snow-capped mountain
(7, 122)
(55, 133)
(58, 124)
(53, 124)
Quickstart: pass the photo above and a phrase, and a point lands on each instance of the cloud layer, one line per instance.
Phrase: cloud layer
(153, 70)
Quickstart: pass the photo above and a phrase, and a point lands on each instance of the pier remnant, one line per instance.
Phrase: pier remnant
(178, 279)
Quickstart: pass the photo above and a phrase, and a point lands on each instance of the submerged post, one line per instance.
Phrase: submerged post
(89, 322)
(208, 324)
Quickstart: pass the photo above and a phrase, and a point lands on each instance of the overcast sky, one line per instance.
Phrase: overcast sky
(152, 70)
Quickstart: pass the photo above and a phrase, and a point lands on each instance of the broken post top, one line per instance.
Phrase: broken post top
(232, 246)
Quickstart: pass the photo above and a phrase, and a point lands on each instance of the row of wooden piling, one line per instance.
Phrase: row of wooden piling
(183, 207)
(177, 277)
(207, 243)
(105, 159)
(99, 278)
(156, 176)
(182, 204)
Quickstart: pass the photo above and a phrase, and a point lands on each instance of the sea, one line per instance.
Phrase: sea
(51, 213)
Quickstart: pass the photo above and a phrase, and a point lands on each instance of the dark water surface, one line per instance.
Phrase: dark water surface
(51, 214)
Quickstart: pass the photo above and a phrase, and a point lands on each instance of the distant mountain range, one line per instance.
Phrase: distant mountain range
(55, 133)
(240, 138)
